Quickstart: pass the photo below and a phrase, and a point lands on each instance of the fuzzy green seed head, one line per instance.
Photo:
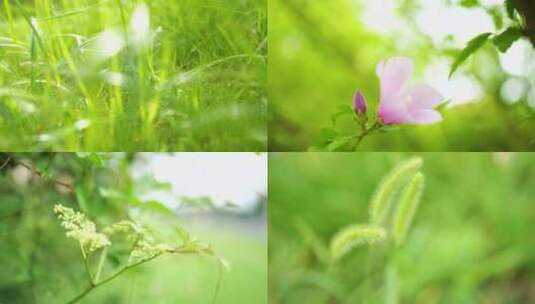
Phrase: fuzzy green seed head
(390, 186)
(407, 207)
(354, 236)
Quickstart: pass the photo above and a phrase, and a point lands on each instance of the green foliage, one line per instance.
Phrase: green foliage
(133, 75)
(472, 46)
(143, 248)
(312, 240)
(319, 62)
(510, 8)
(42, 260)
(505, 39)
(470, 241)
(469, 3)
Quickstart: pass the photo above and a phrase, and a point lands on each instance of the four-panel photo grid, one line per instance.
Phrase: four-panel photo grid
(267, 151)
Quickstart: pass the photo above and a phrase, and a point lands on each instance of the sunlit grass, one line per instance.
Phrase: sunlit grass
(133, 75)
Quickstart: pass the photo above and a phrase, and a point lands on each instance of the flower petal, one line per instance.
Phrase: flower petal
(393, 75)
(393, 113)
(425, 117)
(423, 96)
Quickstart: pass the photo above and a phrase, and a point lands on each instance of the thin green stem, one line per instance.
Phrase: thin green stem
(219, 281)
(92, 286)
(365, 132)
(86, 266)
(33, 28)
(103, 255)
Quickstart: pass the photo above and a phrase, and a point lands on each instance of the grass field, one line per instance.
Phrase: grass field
(125, 75)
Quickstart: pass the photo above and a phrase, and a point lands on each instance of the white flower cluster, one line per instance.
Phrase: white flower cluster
(81, 229)
(144, 250)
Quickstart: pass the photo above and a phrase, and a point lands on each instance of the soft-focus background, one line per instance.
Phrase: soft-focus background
(133, 75)
(218, 198)
(322, 51)
(471, 240)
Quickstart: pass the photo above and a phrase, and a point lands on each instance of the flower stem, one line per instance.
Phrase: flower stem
(86, 266)
(365, 132)
(101, 263)
(115, 275)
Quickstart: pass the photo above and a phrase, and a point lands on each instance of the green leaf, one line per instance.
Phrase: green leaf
(340, 142)
(505, 39)
(326, 136)
(156, 206)
(497, 16)
(313, 240)
(469, 3)
(388, 128)
(472, 46)
(97, 159)
(510, 8)
(342, 111)
(80, 197)
(112, 194)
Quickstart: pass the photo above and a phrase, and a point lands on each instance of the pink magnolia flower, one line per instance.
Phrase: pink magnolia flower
(400, 104)
(359, 103)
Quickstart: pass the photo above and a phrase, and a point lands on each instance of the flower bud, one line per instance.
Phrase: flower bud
(359, 103)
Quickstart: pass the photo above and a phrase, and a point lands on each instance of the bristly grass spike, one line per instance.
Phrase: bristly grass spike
(389, 187)
(407, 207)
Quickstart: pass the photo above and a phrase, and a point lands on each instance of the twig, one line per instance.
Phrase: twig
(365, 132)
(9, 157)
(92, 286)
(37, 172)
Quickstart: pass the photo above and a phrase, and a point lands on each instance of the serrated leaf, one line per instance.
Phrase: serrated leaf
(473, 45)
(505, 39)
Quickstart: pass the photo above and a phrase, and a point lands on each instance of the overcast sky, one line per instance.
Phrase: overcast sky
(235, 177)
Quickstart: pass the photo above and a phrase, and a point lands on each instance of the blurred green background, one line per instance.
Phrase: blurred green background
(322, 51)
(471, 240)
(41, 265)
(133, 75)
